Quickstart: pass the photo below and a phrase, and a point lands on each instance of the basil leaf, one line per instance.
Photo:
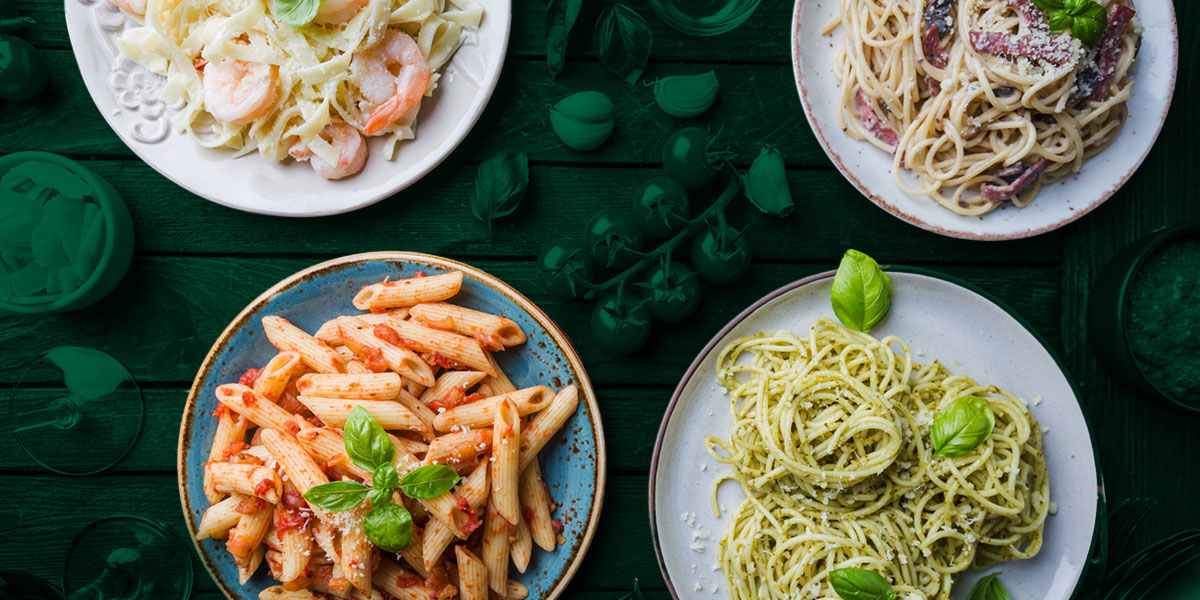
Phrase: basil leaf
(1049, 5)
(1089, 22)
(385, 477)
(862, 292)
(380, 497)
(560, 18)
(860, 584)
(367, 444)
(1059, 20)
(429, 481)
(961, 426)
(389, 526)
(337, 496)
(989, 588)
(622, 41)
(500, 186)
(296, 13)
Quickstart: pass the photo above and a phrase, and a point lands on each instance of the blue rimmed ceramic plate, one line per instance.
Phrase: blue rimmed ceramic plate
(573, 465)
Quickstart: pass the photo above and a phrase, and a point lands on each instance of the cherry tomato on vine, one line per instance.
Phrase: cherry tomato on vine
(672, 291)
(660, 206)
(620, 325)
(687, 159)
(562, 265)
(610, 236)
(720, 254)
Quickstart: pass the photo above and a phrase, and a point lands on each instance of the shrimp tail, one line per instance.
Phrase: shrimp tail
(384, 115)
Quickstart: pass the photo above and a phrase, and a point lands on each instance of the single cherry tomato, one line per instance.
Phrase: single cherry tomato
(672, 291)
(22, 70)
(660, 206)
(562, 266)
(614, 239)
(720, 254)
(687, 158)
(620, 325)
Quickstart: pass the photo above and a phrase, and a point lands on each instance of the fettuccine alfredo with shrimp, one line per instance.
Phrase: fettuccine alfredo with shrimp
(249, 82)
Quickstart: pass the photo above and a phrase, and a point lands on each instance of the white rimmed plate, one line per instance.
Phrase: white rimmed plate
(129, 97)
(870, 169)
(971, 334)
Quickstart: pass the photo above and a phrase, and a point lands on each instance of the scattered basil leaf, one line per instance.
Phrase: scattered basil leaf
(860, 584)
(862, 292)
(989, 588)
(380, 496)
(1085, 18)
(367, 444)
(636, 594)
(389, 526)
(622, 41)
(500, 186)
(767, 185)
(962, 425)
(429, 481)
(685, 96)
(560, 18)
(583, 121)
(296, 13)
(337, 496)
(385, 477)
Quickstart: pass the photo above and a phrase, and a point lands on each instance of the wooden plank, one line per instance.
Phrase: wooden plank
(633, 415)
(769, 28)
(172, 221)
(163, 318)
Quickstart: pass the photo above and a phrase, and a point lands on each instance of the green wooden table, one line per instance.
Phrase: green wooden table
(198, 264)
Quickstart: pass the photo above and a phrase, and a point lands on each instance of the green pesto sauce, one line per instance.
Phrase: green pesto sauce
(1164, 319)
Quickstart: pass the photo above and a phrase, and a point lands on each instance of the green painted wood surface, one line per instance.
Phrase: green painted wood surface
(198, 264)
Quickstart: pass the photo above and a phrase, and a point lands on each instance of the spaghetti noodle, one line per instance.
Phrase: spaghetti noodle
(978, 98)
(830, 443)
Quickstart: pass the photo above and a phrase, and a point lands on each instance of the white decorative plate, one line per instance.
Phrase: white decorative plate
(970, 334)
(870, 169)
(129, 98)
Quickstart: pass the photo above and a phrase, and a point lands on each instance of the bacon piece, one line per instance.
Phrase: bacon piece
(1110, 45)
(1000, 193)
(997, 43)
(931, 45)
(870, 120)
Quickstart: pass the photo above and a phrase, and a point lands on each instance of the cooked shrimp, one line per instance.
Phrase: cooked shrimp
(239, 91)
(338, 11)
(393, 75)
(351, 147)
(133, 7)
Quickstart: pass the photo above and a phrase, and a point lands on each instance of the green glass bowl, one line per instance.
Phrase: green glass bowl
(704, 17)
(1106, 316)
(118, 239)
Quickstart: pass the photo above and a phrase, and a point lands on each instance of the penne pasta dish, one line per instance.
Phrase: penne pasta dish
(386, 454)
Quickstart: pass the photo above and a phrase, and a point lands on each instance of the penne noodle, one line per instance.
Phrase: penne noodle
(520, 548)
(302, 471)
(356, 549)
(516, 590)
(323, 532)
(220, 518)
(459, 448)
(492, 331)
(506, 452)
(335, 411)
(420, 410)
(247, 567)
(249, 532)
(348, 355)
(361, 338)
(472, 575)
(535, 507)
(457, 348)
(545, 424)
(295, 548)
(496, 384)
(451, 387)
(327, 579)
(277, 592)
(414, 387)
(328, 447)
(331, 334)
(289, 338)
(408, 292)
(274, 377)
(495, 548)
(481, 412)
(437, 537)
(250, 480)
(411, 446)
(231, 429)
(412, 554)
(400, 583)
(365, 386)
(254, 406)
(355, 367)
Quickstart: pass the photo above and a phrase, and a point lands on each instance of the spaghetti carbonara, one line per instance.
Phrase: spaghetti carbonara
(979, 99)
(831, 445)
(247, 81)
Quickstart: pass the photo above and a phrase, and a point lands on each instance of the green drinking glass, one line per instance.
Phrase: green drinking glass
(704, 17)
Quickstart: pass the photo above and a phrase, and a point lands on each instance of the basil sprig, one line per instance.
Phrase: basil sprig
(989, 588)
(296, 13)
(962, 425)
(389, 526)
(860, 584)
(862, 292)
(1085, 18)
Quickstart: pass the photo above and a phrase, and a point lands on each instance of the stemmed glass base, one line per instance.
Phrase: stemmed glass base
(127, 558)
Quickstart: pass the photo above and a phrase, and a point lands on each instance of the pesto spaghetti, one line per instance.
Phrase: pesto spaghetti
(831, 445)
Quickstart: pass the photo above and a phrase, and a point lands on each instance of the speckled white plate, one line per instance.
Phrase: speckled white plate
(971, 334)
(870, 169)
(130, 100)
